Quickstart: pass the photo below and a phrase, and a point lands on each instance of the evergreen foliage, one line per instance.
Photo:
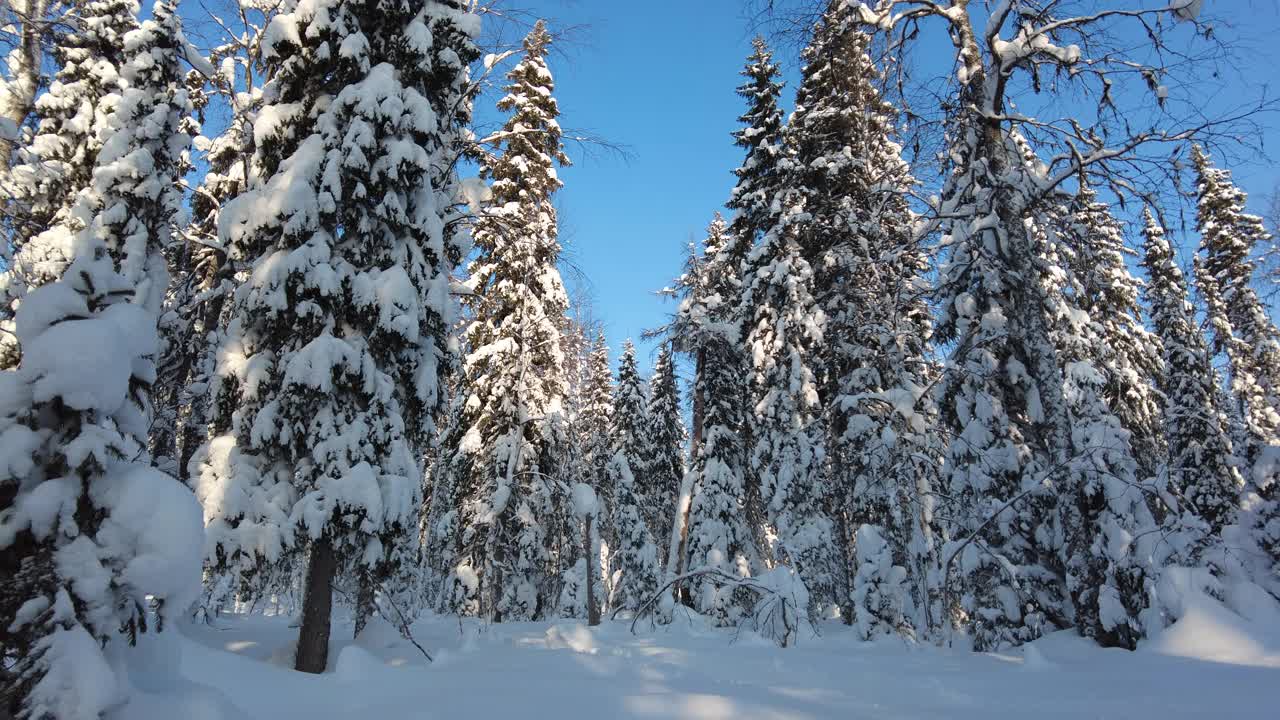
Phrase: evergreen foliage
(789, 450)
(510, 427)
(857, 232)
(1200, 471)
(708, 327)
(95, 541)
(664, 457)
(58, 162)
(328, 374)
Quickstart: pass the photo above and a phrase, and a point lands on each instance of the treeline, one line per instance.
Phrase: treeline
(955, 415)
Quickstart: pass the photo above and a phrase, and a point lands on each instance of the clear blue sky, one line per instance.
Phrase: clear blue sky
(658, 77)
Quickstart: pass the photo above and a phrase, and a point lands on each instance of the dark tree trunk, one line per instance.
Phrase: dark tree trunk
(699, 405)
(593, 611)
(193, 419)
(364, 600)
(317, 604)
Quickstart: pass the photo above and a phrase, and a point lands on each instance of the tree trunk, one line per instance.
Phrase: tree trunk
(592, 560)
(317, 604)
(18, 96)
(364, 600)
(699, 404)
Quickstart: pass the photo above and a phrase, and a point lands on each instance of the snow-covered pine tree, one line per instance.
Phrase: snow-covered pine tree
(62, 154)
(761, 137)
(329, 374)
(1200, 472)
(1243, 331)
(1001, 397)
(504, 445)
(1099, 504)
(759, 181)
(94, 541)
(1241, 328)
(660, 485)
(857, 234)
(630, 416)
(596, 429)
(1102, 513)
(708, 327)
(1108, 291)
(203, 276)
(43, 185)
(634, 564)
(788, 455)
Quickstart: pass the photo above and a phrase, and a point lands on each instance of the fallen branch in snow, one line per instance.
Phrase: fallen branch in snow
(403, 626)
(765, 613)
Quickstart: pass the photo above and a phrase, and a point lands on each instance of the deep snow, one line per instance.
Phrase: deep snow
(1212, 663)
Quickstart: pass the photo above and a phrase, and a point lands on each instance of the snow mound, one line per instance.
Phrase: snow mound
(1209, 631)
(356, 665)
(158, 689)
(571, 636)
(156, 522)
(1033, 659)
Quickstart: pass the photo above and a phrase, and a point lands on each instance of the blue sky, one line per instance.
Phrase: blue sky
(658, 78)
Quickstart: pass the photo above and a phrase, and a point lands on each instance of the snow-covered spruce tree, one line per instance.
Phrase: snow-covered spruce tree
(789, 452)
(202, 275)
(1098, 505)
(329, 373)
(505, 472)
(857, 234)
(634, 564)
(94, 541)
(1000, 400)
(759, 181)
(708, 327)
(595, 426)
(61, 156)
(630, 416)
(761, 137)
(1199, 473)
(42, 186)
(660, 486)
(1108, 291)
(1001, 397)
(1241, 328)
(1100, 509)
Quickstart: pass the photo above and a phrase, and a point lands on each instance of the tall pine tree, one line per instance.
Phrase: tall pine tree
(789, 448)
(759, 181)
(1244, 333)
(664, 462)
(857, 233)
(329, 375)
(1129, 356)
(707, 326)
(635, 561)
(95, 541)
(1200, 472)
(596, 427)
(510, 428)
(60, 159)
(1241, 328)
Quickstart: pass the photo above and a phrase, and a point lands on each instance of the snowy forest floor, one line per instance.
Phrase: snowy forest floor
(1212, 663)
